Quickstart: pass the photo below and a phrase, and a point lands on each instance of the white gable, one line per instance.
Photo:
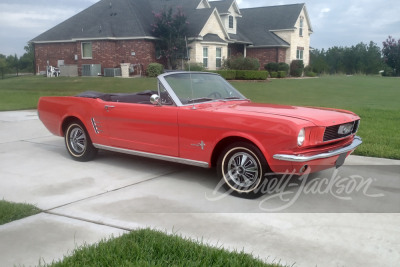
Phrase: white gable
(214, 25)
(203, 4)
(235, 9)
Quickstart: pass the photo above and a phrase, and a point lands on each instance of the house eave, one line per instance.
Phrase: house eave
(233, 41)
(214, 43)
(73, 40)
(268, 46)
(283, 30)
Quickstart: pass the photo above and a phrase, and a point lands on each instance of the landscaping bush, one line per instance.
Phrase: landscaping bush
(251, 75)
(282, 66)
(227, 74)
(282, 74)
(311, 74)
(388, 72)
(271, 67)
(296, 68)
(274, 74)
(194, 67)
(275, 67)
(154, 69)
(242, 63)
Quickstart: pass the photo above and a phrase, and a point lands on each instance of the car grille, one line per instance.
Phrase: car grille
(332, 132)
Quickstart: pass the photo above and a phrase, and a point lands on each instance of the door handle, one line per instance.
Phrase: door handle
(107, 107)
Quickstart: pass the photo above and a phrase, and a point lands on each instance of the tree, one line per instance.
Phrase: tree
(360, 58)
(318, 62)
(171, 29)
(3, 65)
(391, 54)
(373, 61)
(27, 60)
(13, 63)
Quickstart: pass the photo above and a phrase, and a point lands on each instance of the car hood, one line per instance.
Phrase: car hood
(318, 116)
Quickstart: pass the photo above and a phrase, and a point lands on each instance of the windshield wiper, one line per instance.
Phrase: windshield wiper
(232, 97)
(200, 99)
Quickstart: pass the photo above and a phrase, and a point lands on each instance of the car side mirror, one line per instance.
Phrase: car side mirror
(155, 100)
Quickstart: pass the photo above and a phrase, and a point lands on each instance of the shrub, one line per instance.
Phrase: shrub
(242, 63)
(154, 69)
(274, 74)
(311, 74)
(282, 74)
(226, 74)
(271, 67)
(388, 72)
(251, 75)
(275, 67)
(251, 64)
(296, 68)
(282, 66)
(194, 67)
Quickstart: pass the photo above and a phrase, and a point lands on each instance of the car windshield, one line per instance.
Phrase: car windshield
(193, 88)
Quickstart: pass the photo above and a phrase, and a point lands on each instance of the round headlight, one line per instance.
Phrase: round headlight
(301, 137)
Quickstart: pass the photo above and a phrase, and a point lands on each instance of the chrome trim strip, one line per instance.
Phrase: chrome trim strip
(356, 142)
(175, 98)
(153, 156)
(94, 126)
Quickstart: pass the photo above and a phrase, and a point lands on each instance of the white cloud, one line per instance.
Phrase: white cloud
(21, 22)
(324, 11)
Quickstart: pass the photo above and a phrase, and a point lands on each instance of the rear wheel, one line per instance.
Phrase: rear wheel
(242, 166)
(78, 142)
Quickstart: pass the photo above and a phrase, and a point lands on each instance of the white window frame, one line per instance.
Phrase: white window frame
(205, 56)
(231, 23)
(91, 50)
(300, 54)
(301, 26)
(218, 59)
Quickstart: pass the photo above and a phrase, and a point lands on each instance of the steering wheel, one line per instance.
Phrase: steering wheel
(214, 95)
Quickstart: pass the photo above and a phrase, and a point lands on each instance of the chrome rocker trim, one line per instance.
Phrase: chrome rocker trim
(153, 156)
(356, 142)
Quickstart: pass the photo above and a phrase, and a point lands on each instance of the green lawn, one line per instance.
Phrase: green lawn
(14, 211)
(24, 92)
(153, 248)
(375, 99)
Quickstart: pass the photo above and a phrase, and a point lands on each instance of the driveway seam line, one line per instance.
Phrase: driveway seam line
(88, 221)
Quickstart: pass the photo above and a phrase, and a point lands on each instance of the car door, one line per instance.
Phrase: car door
(142, 127)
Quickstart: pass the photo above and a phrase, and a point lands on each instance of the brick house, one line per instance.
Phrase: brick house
(112, 32)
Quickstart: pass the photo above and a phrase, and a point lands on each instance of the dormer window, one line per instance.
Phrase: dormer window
(230, 22)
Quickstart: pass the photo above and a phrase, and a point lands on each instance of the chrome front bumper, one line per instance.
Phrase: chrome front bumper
(299, 158)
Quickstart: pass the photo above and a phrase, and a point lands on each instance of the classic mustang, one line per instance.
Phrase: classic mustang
(200, 119)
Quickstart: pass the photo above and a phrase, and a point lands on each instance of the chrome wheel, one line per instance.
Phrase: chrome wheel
(77, 140)
(243, 169)
(242, 166)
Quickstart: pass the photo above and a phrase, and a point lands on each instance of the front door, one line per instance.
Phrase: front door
(142, 127)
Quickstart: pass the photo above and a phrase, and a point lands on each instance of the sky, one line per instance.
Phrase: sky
(335, 23)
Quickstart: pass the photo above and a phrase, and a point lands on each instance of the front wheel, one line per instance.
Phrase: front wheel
(78, 142)
(243, 167)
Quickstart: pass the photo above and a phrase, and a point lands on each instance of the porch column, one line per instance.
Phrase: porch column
(245, 51)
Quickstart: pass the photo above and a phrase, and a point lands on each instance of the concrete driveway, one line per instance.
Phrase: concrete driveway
(345, 217)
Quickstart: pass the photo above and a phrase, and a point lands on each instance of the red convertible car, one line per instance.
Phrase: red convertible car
(200, 119)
